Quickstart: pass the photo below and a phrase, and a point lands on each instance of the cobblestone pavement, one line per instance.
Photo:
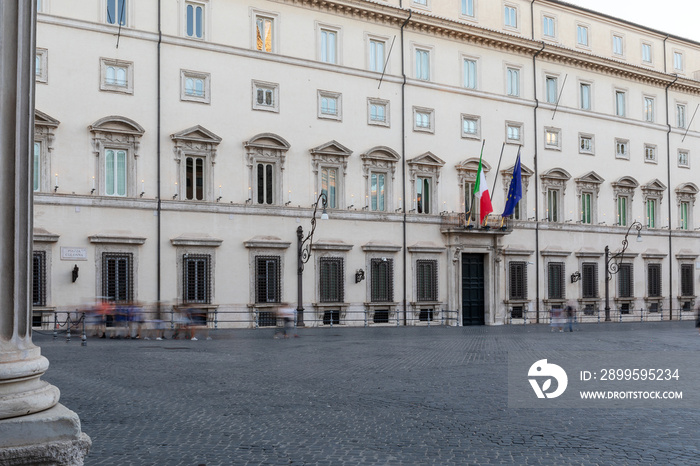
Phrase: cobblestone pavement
(346, 396)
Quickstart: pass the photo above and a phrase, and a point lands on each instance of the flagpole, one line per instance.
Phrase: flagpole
(471, 207)
(495, 178)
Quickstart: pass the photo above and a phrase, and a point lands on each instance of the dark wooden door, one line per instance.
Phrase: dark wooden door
(473, 289)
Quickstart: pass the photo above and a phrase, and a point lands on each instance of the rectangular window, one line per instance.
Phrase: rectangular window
(265, 96)
(196, 278)
(684, 207)
(618, 45)
(678, 61)
(470, 74)
(552, 205)
(378, 196)
(513, 133)
(513, 81)
(329, 105)
(511, 16)
(264, 30)
(265, 178)
(41, 60)
(423, 65)
(115, 172)
(551, 138)
(648, 109)
(555, 280)
(423, 120)
(194, 19)
(470, 127)
(378, 112)
(376, 55)
(582, 35)
(683, 159)
(194, 86)
(423, 194)
(329, 44)
(680, 116)
(267, 279)
(621, 149)
(36, 167)
(382, 271)
(589, 280)
(551, 89)
(654, 280)
(620, 101)
(585, 96)
(331, 284)
(585, 144)
(548, 26)
(468, 7)
(39, 278)
(117, 277)
(586, 208)
(116, 76)
(329, 185)
(649, 153)
(116, 12)
(646, 53)
(426, 280)
(687, 280)
(625, 283)
(651, 213)
(517, 279)
(194, 178)
(622, 211)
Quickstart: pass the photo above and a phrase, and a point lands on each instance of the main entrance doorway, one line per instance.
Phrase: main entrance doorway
(472, 289)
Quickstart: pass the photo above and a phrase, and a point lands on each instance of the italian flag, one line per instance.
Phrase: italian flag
(481, 190)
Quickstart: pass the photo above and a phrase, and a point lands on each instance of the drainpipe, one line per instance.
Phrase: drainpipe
(537, 210)
(158, 208)
(670, 209)
(403, 161)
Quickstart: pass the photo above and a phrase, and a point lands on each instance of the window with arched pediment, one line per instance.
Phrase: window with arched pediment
(265, 158)
(685, 202)
(115, 143)
(553, 190)
(623, 196)
(587, 188)
(653, 193)
(424, 176)
(466, 175)
(44, 127)
(379, 168)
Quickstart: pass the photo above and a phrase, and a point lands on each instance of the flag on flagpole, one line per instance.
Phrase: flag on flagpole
(481, 190)
(515, 190)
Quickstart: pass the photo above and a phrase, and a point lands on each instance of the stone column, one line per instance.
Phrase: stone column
(34, 428)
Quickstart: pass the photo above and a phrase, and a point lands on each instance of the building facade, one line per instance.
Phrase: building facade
(179, 146)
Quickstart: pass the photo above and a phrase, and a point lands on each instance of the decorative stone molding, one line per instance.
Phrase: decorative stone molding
(686, 193)
(266, 148)
(379, 246)
(44, 236)
(196, 240)
(426, 247)
(201, 143)
(266, 242)
(331, 245)
(117, 237)
(654, 189)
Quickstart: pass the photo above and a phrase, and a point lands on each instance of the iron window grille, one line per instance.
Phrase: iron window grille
(39, 278)
(687, 280)
(382, 280)
(331, 283)
(518, 280)
(427, 280)
(625, 283)
(589, 280)
(556, 280)
(196, 281)
(267, 279)
(654, 278)
(117, 277)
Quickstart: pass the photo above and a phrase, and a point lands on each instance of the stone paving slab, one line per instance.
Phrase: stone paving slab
(354, 396)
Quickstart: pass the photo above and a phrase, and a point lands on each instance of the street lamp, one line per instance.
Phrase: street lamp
(612, 264)
(304, 253)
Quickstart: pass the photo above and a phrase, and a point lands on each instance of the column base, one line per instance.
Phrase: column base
(51, 437)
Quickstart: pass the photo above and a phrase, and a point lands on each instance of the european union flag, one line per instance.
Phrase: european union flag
(515, 191)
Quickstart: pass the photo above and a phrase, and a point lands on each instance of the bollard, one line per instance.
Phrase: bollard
(365, 317)
(68, 326)
(216, 319)
(84, 337)
(55, 325)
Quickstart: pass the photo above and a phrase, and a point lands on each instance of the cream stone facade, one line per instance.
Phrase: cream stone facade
(180, 147)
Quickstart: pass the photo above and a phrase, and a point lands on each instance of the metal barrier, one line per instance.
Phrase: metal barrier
(598, 316)
(67, 325)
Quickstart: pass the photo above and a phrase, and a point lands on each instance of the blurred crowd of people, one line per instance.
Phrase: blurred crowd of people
(128, 320)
